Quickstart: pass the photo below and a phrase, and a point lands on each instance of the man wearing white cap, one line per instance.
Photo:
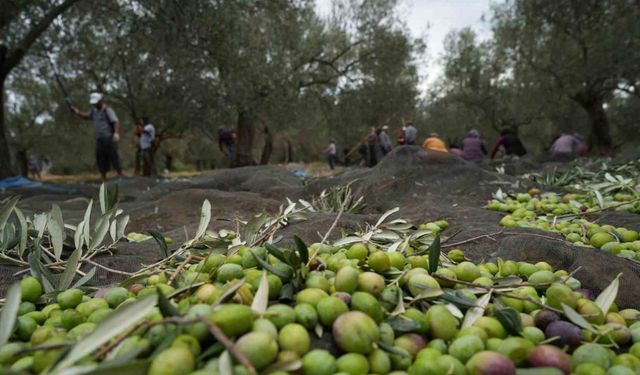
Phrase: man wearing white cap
(107, 127)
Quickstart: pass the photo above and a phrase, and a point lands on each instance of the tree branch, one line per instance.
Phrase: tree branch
(17, 54)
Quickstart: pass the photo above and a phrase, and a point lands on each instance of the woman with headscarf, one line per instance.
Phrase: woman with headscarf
(473, 148)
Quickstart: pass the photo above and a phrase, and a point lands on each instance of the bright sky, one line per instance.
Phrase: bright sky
(434, 19)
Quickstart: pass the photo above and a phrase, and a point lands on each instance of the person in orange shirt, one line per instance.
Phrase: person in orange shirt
(434, 143)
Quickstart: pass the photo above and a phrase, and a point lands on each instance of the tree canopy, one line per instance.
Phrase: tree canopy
(288, 79)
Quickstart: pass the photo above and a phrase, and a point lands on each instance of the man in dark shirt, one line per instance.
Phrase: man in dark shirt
(511, 144)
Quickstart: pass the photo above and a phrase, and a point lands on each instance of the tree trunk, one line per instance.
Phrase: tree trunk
(600, 137)
(268, 147)
(11, 59)
(244, 140)
(289, 157)
(22, 160)
(6, 167)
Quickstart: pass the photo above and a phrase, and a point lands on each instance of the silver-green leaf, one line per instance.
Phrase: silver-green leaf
(205, 218)
(261, 299)
(70, 271)
(9, 313)
(608, 295)
(55, 226)
(7, 209)
(115, 324)
(86, 230)
(577, 319)
(475, 313)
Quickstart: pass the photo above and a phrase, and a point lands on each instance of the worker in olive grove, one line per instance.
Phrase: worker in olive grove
(107, 132)
(434, 143)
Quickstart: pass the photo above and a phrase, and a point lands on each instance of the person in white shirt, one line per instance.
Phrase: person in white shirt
(332, 153)
(147, 144)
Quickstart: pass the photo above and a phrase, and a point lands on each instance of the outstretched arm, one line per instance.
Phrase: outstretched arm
(82, 115)
(499, 143)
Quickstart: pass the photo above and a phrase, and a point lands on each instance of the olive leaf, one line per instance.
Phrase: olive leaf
(167, 309)
(434, 255)
(205, 218)
(303, 250)
(40, 223)
(399, 309)
(86, 229)
(577, 319)
(9, 313)
(232, 287)
(392, 349)
(276, 253)
(55, 226)
(85, 279)
(134, 280)
(427, 293)
(402, 325)
(117, 322)
(347, 241)
(70, 271)
(510, 320)
(269, 267)
(24, 231)
(108, 197)
(454, 310)
(476, 312)
(457, 300)
(261, 299)
(319, 330)
(100, 231)
(608, 295)
(285, 366)
(386, 215)
(7, 209)
(159, 238)
(224, 364)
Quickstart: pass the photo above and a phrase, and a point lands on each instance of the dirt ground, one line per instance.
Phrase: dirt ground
(426, 187)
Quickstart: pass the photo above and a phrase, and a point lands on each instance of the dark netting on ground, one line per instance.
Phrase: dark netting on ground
(409, 175)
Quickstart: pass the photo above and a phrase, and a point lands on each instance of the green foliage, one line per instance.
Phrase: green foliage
(54, 251)
(194, 67)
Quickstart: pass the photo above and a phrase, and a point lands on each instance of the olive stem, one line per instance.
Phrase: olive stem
(332, 227)
(176, 320)
(179, 269)
(598, 210)
(490, 236)
(221, 337)
(108, 269)
(487, 287)
(41, 347)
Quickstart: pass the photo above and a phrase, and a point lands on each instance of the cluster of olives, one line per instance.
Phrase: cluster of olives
(555, 204)
(523, 213)
(355, 310)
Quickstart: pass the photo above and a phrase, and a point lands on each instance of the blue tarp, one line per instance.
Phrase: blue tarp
(18, 182)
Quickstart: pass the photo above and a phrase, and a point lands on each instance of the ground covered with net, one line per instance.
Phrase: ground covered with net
(425, 186)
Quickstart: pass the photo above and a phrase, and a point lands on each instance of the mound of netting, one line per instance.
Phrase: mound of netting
(419, 182)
